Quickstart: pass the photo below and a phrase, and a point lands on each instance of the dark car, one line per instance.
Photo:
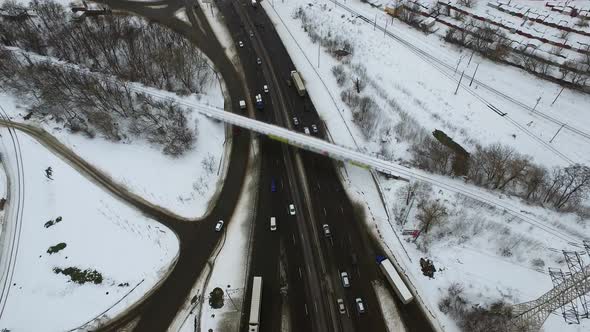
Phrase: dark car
(273, 185)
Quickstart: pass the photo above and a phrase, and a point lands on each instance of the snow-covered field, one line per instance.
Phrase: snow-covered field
(426, 92)
(130, 251)
(181, 185)
(487, 250)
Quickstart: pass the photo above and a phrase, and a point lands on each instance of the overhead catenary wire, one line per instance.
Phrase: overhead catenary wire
(442, 67)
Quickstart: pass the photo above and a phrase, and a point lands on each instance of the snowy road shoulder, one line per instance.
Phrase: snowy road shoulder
(227, 277)
(81, 251)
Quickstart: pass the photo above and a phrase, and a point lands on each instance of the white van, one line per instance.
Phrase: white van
(273, 223)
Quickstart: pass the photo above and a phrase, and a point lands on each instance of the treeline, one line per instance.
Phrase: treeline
(502, 168)
(127, 47)
(91, 105)
(75, 93)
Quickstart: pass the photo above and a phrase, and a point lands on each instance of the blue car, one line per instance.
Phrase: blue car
(273, 185)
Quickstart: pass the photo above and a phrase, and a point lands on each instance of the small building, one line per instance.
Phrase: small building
(427, 24)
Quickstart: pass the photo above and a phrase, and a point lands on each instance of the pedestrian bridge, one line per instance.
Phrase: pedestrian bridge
(361, 159)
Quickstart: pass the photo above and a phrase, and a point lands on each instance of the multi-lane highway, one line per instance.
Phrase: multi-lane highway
(300, 266)
(252, 27)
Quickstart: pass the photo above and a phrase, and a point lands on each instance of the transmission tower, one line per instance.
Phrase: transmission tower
(569, 290)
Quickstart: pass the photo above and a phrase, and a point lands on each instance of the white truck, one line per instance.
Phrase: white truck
(396, 282)
(242, 104)
(298, 82)
(254, 321)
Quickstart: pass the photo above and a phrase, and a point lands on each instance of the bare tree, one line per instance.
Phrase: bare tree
(534, 179)
(467, 3)
(432, 155)
(568, 186)
(430, 212)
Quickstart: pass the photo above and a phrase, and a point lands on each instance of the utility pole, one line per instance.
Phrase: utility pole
(232, 301)
(475, 72)
(471, 57)
(375, 24)
(559, 94)
(459, 83)
(558, 130)
(458, 62)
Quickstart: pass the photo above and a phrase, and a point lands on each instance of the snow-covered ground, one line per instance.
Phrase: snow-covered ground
(130, 251)
(494, 258)
(426, 92)
(181, 184)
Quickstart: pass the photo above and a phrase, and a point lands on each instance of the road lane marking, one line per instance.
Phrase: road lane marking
(293, 236)
(315, 304)
(341, 209)
(300, 275)
(325, 213)
(306, 312)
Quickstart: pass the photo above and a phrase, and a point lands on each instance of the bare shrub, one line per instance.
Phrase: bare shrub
(582, 21)
(453, 303)
(475, 318)
(538, 263)
(340, 74)
(467, 3)
(433, 156)
(208, 164)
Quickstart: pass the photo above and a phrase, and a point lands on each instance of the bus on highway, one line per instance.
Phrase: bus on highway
(400, 288)
(254, 321)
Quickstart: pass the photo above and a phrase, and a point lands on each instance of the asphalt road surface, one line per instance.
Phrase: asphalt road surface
(332, 206)
(284, 248)
(303, 109)
(198, 239)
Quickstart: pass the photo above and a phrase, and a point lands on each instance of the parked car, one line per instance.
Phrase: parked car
(295, 121)
(219, 226)
(258, 61)
(345, 280)
(306, 131)
(327, 232)
(341, 306)
(273, 185)
(265, 88)
(360, 306)
(292, 209)
(314, 128)
(241, 44)
(251, 33)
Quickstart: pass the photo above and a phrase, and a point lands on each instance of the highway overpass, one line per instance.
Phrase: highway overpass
(360, 159)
